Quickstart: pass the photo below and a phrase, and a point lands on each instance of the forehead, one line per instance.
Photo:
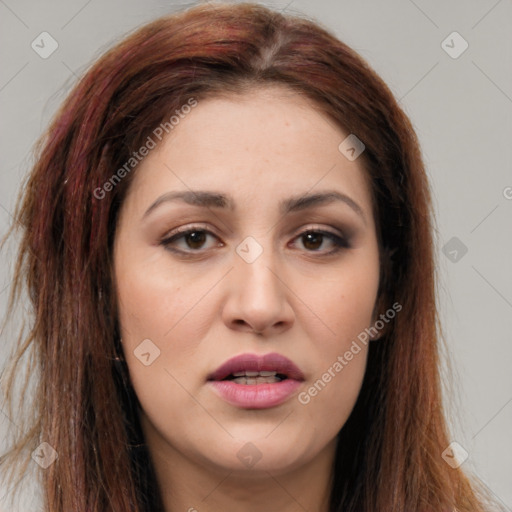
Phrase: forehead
(271, 141)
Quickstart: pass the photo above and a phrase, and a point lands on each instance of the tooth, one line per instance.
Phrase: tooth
(257, 380)
(239, 374)
(251, 374)
(268, 374)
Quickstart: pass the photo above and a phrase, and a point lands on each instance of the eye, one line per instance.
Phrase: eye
(190, 240)
(196, 240)
(322, 241)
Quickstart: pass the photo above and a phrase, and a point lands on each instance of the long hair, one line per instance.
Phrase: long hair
(389, 451)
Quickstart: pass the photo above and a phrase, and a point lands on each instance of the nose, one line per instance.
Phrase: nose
(258, 298)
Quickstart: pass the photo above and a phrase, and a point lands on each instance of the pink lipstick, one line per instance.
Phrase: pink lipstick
(251, 381)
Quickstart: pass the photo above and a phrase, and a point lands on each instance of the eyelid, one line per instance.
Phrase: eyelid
(320, 228)
(183, 230)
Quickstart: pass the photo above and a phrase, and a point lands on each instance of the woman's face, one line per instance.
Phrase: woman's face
(247, 234)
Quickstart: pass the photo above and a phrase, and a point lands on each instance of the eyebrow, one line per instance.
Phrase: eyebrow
(208, 199)
(194, 198)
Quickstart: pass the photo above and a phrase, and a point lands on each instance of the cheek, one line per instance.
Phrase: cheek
(342, 301)
(339, 361)
(160, 329)
(343, 307)
(156, 302)
(163, 317)
(333, 391)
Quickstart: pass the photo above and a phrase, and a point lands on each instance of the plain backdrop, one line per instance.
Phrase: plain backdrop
(460, 102)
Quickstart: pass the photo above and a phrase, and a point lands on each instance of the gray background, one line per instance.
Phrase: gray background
(461, 109)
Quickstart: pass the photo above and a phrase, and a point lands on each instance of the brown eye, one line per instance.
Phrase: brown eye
(312, 241)
(195, 239)
(322, 242)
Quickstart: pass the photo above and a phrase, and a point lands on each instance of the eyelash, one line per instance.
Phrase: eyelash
(339, 242)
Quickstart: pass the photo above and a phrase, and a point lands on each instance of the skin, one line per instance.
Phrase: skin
(298, 298)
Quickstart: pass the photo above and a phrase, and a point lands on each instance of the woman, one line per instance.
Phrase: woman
(227, 244)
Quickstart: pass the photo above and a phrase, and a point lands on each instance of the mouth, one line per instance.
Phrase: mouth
(250, 369)
(248, 378)
(251, 381)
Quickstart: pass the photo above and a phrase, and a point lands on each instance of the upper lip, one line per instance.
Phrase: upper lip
(253, 362)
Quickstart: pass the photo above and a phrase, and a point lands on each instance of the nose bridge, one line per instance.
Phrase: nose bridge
(255, 267)
(258, 299)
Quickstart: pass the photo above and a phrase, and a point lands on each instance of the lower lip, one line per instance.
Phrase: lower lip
(256, 396)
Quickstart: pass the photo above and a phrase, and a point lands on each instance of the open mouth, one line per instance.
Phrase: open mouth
(252, 381)
(251, 369)
(250, 378)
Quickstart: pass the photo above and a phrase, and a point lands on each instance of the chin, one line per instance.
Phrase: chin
(260, 454)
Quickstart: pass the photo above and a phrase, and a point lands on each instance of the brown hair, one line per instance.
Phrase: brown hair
(389, 451)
